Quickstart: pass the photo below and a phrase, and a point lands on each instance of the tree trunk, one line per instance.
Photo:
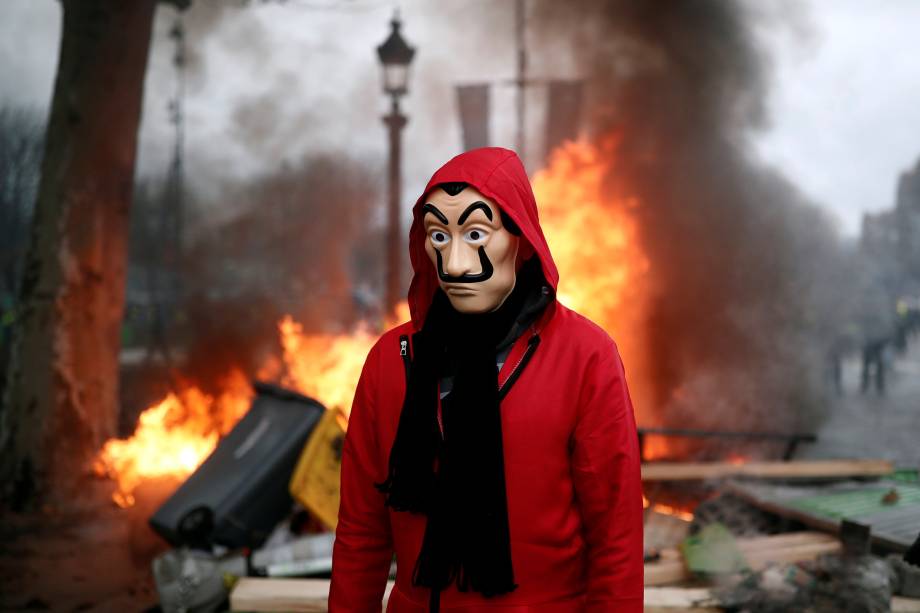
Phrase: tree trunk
(61, 401)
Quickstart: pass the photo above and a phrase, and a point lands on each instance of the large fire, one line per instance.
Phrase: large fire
(174, 436)
(591, 234)
(593, 240)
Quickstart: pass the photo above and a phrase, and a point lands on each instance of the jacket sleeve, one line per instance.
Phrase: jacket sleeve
(363, 546)
(608, 488)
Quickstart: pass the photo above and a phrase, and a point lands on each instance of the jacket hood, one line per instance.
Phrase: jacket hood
(498, 174)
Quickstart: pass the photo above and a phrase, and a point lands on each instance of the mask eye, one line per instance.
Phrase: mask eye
(475, 236)
(438, 238)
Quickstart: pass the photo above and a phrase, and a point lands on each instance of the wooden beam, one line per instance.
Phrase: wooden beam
(679, 471)
(785, 540)
(677, 599)
(758, 552)
(767, 543)
(758, 560)
(259, 595)
(899, 604)
(664, 572)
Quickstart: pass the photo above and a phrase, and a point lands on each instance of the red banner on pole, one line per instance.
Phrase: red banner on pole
(473, 103)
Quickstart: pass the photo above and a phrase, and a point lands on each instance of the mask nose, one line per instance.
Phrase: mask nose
(461, 259)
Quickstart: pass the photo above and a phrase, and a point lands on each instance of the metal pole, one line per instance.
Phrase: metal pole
(395, 121)
(519, 9)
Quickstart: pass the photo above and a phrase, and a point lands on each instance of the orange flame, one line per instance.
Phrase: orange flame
(590, 232)
(657, 448)
(666, 509)
(326, 367)
(173, 437)
(591, 229)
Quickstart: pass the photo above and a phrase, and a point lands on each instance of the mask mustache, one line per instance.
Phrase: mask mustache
(483, 275)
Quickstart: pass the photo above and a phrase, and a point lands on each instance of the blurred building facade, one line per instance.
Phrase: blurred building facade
(907, 220)
(894, 234)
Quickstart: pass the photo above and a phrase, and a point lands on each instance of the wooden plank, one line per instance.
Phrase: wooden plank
(758, 560)
(758, 552)
(678, 471)
(899, 604)
(669, 554)
(788, 539)
(665, 571)
(775, 541)
(677, 599)
(260, 595)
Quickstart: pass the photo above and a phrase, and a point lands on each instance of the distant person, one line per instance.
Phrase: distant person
(492, 443)
(873, 365)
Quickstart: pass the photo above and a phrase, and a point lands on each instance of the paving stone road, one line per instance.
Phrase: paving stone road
(873, 426)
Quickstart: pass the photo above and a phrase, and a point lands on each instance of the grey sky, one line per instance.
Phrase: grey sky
(846, 102)
(274, 81)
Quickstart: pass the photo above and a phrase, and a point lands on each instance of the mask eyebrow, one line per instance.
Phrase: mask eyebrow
(479, 204)
(430, 208)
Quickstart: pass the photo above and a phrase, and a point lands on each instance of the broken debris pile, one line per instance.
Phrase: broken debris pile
(263, 504)
(828, 583)
(838, 542)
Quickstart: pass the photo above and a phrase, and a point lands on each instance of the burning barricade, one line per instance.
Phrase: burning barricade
(245, 481)
(235, 515)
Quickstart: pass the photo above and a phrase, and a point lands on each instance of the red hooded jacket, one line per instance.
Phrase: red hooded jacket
(571, 452)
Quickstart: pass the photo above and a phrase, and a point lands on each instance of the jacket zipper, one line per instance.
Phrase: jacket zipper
(532, 343)
(404, 352)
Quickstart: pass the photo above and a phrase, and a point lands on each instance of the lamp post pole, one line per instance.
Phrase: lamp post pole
(395, 56)
(519, 30)
(395, 121)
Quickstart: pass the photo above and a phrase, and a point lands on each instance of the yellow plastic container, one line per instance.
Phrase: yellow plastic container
(316, 479)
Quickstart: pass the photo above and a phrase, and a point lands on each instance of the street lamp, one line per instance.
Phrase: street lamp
(395, 56)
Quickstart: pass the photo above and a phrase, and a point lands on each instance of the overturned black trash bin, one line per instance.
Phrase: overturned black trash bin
(240, 492)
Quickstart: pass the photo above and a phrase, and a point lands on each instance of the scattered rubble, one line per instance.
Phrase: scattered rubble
(857, 584)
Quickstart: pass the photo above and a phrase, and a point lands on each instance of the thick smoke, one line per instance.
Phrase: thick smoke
(279, 245)
(739, 315)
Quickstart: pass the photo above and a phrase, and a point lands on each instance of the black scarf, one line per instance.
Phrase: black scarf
(459, 481)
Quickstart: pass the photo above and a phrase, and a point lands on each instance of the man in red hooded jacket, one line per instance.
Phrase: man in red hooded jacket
(492, 444)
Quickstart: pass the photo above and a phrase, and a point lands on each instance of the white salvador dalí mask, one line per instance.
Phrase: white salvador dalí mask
(473, 251)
